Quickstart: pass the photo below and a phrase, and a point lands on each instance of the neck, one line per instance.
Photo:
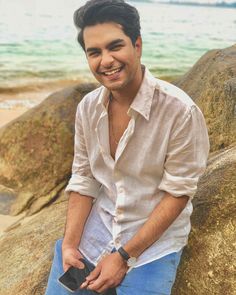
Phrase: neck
(126, 95)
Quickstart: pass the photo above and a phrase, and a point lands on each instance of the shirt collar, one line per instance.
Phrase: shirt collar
(103, 98)
(143, 100)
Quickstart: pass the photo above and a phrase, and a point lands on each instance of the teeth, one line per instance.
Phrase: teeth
(111, 72)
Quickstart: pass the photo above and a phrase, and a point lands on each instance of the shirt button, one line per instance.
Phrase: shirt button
(117, 240)
(118, 211)
(121, 190)
(116, 174)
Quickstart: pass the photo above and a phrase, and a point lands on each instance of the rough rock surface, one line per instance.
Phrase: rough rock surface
(27, 251)
(36, 150)
(208, 265)
(211, 82)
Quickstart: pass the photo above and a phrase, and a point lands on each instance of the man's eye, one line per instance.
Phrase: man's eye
(93, 54)
(116, 47)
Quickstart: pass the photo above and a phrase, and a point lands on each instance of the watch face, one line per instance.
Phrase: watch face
(131, 261)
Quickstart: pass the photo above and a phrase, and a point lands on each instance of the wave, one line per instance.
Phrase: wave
(38, 86)
(13, 103)
(199, 3)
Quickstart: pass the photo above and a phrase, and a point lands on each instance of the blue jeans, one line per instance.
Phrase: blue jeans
(156, 277)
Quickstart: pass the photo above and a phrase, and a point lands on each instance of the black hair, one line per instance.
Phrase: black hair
(103, 11)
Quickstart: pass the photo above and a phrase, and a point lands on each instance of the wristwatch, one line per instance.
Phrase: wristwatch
(130, 260)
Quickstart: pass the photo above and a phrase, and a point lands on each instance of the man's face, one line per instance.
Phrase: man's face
(111, 56)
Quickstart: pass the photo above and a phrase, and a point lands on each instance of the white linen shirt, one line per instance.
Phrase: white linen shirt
(163, 149)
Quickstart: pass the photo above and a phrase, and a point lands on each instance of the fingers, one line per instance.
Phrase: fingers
(97, 280)
(92, 276)
(71, 258)
(84, 285)
(108, 273)
(99, 286)
(72, 262)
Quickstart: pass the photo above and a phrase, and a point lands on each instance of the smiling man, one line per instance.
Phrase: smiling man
(125, 74)
(141, 145)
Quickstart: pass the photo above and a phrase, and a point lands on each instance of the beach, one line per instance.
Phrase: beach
(14, 101)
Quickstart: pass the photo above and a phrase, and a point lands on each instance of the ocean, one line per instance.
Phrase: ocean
(38, 39)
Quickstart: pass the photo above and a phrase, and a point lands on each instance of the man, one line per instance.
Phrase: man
(140, 146)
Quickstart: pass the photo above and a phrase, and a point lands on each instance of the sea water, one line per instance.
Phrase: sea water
(38, 38)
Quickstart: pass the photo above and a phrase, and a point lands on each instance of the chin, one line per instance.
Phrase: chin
(114, 86)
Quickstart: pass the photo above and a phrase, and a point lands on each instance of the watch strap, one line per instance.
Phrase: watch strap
(123, 253)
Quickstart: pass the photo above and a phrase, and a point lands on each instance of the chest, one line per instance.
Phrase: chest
(118, 123)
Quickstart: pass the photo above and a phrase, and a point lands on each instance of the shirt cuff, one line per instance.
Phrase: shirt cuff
(179, 186)
(83, 185)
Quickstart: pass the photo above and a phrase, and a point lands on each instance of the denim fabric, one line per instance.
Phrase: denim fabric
(156, 277)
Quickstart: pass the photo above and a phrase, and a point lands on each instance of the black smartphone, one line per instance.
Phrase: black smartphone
(74, 277)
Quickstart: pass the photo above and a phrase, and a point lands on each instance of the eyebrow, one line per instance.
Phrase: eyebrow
(111, 44)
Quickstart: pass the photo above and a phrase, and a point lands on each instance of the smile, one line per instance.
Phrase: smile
(112, 72)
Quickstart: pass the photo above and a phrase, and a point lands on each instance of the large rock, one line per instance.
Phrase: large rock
(208, 265)
(27, 251)
(36, 150)
(211, 82)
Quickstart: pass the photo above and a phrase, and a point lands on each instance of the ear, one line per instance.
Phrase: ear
(138, 46)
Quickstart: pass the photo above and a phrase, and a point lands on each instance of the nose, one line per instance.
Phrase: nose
(107, 59)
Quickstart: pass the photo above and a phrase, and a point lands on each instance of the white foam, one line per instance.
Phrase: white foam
(13, 103)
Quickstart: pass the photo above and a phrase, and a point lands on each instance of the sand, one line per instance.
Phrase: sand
(7, 116)
(7, 221)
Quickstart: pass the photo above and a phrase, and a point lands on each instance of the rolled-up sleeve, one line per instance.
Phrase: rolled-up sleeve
(82, 180)
(186, 156)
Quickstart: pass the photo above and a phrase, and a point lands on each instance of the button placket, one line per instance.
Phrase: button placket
(102, 132)
(125, 139)
(121, 190)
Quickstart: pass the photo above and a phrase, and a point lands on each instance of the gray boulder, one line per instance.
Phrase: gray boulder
(27, 251)
(208, 265)
(211, 82)
(36, 151)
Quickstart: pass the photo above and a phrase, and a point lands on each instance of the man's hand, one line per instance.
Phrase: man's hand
(109, 273)
(70, 257)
